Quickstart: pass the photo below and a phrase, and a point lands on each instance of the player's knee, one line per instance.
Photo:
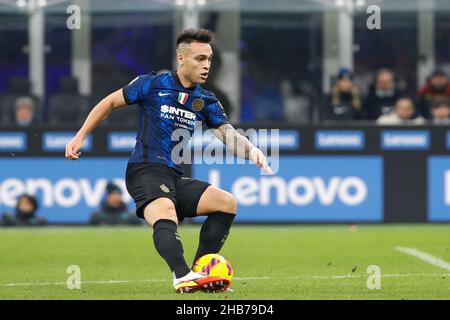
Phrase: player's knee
(160, 209)
(169, 211)
(230, 203)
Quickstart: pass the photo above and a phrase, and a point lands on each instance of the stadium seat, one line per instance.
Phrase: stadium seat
(67, 106)
(125, 117)
(106, 81)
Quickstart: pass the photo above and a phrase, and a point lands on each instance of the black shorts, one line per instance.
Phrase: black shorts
(146, 182)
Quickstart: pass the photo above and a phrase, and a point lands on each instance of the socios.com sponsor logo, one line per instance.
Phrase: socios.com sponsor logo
(121, 141)
(439, 188)
(306, 189)
(67, 191)
(340, 140)
(57, 141)
(405, 140)
(13, 141)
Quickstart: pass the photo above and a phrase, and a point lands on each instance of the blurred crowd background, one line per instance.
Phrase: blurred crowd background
(301, 62)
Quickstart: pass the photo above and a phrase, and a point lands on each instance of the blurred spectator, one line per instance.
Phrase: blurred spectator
(25, 214)
(345, 103)
(437, 86)
(297, 105)
(440, 112)
(19, 87)
(113, 210)
(382, 96)
(24, 112)
(404, 113)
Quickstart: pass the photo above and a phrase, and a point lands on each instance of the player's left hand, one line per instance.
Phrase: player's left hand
(260, 160)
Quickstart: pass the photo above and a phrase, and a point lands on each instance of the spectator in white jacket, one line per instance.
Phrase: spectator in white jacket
(404, 113)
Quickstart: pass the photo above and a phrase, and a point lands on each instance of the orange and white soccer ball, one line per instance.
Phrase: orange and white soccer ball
(214, 265)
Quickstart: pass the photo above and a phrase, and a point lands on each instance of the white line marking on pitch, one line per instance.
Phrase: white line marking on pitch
(438, 262)
(82, 282)
(27, 284)
(395, 275)
(24, 284)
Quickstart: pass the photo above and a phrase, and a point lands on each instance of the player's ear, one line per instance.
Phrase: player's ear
(180, 59)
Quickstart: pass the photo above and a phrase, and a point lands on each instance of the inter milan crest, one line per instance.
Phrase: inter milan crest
(198, 104)
(164, 188)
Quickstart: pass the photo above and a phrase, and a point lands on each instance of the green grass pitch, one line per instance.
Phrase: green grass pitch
(270, 262)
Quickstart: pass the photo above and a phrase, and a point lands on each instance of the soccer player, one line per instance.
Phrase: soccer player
(163, 197)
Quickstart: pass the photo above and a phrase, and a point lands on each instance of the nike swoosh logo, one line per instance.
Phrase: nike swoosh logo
(163, 94)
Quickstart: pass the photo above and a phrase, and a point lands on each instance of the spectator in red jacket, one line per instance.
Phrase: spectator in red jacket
(438, 86)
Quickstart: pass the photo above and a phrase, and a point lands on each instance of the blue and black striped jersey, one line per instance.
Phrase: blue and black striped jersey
(165, 106)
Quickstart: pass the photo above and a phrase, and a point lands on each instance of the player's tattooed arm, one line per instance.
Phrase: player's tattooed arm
(241, 146)
(234, 141)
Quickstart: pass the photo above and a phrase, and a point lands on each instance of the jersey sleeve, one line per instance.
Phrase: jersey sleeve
(137, 89)
(215, 115)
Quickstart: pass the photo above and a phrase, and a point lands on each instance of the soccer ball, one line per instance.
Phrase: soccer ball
(214, 265)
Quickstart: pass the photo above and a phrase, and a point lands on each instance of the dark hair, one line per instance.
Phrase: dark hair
(440, 101)
(30, 198)
(111, 187)
(438, 73)
(200, 35)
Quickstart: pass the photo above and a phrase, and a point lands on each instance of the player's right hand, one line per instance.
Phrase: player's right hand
(260, 160)
(73, 148)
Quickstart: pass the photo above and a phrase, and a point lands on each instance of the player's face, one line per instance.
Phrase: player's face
(195, 62)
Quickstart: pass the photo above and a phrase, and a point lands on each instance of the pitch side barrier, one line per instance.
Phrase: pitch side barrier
(324, 174)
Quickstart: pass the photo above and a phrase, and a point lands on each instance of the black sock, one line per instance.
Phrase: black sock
(214, 232)
(168, 244)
